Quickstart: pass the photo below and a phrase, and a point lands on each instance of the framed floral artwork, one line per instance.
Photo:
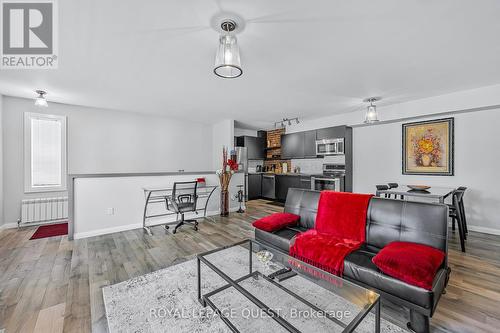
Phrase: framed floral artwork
(428, 147)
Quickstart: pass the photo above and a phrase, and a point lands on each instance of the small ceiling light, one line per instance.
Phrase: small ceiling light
(40, 99)
(227, 59)
(371, 110)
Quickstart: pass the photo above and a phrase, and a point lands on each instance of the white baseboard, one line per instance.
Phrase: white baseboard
(484, 230)
(104, 231)
(8, 226)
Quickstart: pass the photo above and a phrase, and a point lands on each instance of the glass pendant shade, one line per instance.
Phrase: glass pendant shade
(227, 59)
(40, 100)
(371, 114)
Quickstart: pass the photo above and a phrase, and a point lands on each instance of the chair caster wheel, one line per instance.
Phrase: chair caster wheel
(408, 326)
(166, 227)
(174, 231)
(195, 228)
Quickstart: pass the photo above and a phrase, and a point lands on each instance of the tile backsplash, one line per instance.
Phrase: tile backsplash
(311, 166)
(315, 165)
(252, 164)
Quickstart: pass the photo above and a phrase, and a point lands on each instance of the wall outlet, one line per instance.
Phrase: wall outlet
(110, 211)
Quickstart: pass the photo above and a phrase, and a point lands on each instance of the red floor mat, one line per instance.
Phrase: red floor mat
(50, 230)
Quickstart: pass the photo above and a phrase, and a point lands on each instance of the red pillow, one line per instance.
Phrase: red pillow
(276, 221)
(415, 264)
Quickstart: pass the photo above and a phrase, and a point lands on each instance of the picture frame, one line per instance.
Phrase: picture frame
(428, 147)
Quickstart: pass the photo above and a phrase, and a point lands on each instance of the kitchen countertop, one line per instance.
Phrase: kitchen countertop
(281, 174)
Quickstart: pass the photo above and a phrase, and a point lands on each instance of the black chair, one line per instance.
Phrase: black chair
(183, 200)
(394, 185)
(457, 214)
(383, 188)
(462, 206)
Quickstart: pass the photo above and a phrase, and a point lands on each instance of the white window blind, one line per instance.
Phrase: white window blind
(46, 152)
(45, 145)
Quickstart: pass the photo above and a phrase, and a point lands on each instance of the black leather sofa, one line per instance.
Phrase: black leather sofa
(387, 220)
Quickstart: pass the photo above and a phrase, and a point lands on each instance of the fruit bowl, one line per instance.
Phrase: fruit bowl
(419, 187)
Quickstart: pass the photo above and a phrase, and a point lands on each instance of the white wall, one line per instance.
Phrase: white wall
(95, 196)
(378, 153)
(104, 141)
(222, 136)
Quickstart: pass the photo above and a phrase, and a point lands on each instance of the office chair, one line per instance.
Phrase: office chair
(183, 200)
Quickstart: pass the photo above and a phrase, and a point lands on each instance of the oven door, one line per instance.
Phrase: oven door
(326, 184)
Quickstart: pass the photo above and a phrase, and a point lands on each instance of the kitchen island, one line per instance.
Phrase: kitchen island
(107, 203)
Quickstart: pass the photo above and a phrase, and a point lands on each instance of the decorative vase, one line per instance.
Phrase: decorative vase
(426, 160)
(224, 203)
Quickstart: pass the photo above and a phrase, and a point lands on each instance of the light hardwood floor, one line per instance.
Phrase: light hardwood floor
(54, 285)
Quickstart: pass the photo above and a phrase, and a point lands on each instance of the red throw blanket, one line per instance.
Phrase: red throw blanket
(339, 230)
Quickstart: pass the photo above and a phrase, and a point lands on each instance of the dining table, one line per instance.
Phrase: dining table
(434, 192)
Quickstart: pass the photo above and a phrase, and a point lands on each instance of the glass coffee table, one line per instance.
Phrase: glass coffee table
(256, 294)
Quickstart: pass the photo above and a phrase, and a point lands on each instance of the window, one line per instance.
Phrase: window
(44, 152)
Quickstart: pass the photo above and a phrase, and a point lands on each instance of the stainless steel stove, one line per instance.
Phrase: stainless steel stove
(332, 178)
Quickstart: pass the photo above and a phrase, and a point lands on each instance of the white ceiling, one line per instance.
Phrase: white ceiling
(306, 58)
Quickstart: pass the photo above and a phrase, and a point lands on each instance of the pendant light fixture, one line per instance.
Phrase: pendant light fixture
(227, 59)
(40, 99)
(371, 110)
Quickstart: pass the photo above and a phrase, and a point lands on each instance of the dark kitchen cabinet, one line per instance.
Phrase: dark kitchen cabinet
(292, 145)
(283, 183)
(331, 132)
(255, 146)
(305, 182)
(298, 145)
(254, 186)
(310, 144)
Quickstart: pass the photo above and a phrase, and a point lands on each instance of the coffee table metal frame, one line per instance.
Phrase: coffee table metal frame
(205, 299)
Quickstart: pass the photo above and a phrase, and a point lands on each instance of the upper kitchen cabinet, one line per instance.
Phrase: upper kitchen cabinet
(298, 145)
(292, 145)
(331, 132)
(255, 146)
(310, 144)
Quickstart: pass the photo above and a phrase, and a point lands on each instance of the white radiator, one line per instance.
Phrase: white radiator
(44, 210)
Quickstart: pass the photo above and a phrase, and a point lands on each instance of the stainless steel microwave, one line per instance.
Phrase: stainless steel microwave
(330, 147)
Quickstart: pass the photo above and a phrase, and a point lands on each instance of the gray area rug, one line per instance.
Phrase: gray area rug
(166, 301)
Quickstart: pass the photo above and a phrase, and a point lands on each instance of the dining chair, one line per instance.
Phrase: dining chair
(462, 209)
(457, 216)
(462, 205)
(394, 185)
(383, 188)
